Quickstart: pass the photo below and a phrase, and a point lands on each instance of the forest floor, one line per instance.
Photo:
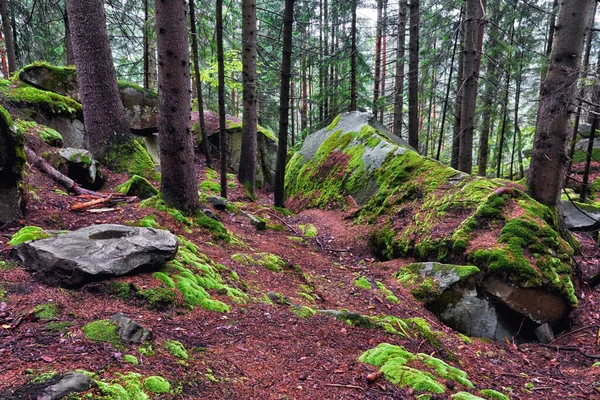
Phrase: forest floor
(260, 350)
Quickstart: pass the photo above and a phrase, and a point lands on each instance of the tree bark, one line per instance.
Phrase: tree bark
(413, 76)
(194, 35)
(458, 103)
(557, 94)
(353, 50)
(377, 73)
(284, 107)
(383, 60)
(103, 113)
(221, 98)
(247, 171)
(68, 44)
(504, 123)
(399, 83)
(179, 183)
(8, 37)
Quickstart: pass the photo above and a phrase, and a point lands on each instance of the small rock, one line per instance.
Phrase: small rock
(82, 167)
(71, 382)
(219, 203)
(208, 212)
(129, 330)
(278, 298)
(544, 333)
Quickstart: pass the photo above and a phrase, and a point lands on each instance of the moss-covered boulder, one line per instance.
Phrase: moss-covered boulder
(581, 150)
(81, 166)
(137, 186)
(420, 208)
(12, 160)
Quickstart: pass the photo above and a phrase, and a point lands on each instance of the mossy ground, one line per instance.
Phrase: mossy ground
(267, 260)
(54, 104)
(27, 234)
(102, 331)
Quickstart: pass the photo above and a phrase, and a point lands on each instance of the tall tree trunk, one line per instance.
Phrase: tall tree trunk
(221, 95)
(458, 102)
(179, 183)
(518, 79)
(146, 34)
(383, 59)
(504, 124)
(304, 109)
(550, 38)
(321, 62)
(353, 85)
(594, 123)
(247, 172)
(413, 76)
(473, 20)
(377, 73)
(549, 154)
(8, 37)
(68, 44)
(103, 112)
(399, 83)
(292, 112)
(3, 62)
(284, 106)
(203, 132)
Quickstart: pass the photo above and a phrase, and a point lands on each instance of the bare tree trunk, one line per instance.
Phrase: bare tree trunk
(504, 123)
(205, 149)
(549, 153)
(103, 113)
(8, 37)
(3, 62)
(179, 183)
(458, 103)
(247, 172)
(413, 76)
(353, 85)
(383, 59)
(292, 116)
(594, 123)
(284, 106)
(377, 73)
(518, 79)
(221, 96)
(399, 83)
(68, 44)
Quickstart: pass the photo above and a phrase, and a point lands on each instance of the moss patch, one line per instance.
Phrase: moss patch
(49, 102)
(128, 358)
(308, 230)
(137, 186)
(46, 311)
(28, 234)
(103, 331)
(157, 384)
(176, 349)
(267, 260)
(132, 157)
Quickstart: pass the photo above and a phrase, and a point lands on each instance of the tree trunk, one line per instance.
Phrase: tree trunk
(549, 154)
(377, 73)
(518, 79)
(68, 44)
(399, 83)
(413, 76)
(8, 37)
(503, 129)
(194, 35)
(247, 171)
(286, 72)
(103, 113)
(475, 9)
(594, 122)
(458, 103)
(179, 183)
(221, 96)
(383, 60)
(353, 85)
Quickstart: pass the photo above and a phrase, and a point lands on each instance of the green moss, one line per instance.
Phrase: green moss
(465, 338)
(46, 311)
(210, 186)
(157, 384)
(149, 221)
(164, 278)
(334, 123)
(493, 394)
(102, 331)
(145, 349)
(217, 229)
(27, 234)
(263, 131)
(362, 283)
(267, 260)
(389, 296)
(302, 311)
(58, 326)
(137, 186)
(125, 387)
(446, 371)
(465, 396)
(210, 174)
(176, 349)
(52, 103)
(308, 230)
(120, 289)
(132, 157)
(128, 358)
(148, 93)
(158, 297)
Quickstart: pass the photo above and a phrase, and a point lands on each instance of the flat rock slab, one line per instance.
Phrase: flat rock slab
(71, 382)
(580, 217)
(97, 252)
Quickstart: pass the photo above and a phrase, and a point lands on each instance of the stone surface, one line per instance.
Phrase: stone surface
(218, 202)
(544, 333)
(129, 330)
(82, 167)
(71, 382)
(71, 129)
(141, 109)
(580, 217)
(61, 80)
(12, 160)
(97, 252)
(137, 186)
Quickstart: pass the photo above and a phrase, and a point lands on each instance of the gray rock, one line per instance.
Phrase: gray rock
(580, 217)
(141, 109)
(129, 330)
(219, 203)
(544, 333)
(71, 382)
(97, 252)
(82, 167)
(208, 212)
(279, 298)
(71, 129)
(12, 160)
(445, 274)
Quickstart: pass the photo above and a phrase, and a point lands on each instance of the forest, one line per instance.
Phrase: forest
(299, 199)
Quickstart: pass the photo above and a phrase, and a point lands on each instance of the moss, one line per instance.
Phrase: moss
(27, 234)
(58, 326)
(145, 349)
(164, 278)
(362, 283)
(296, 239)
(389, 295)
(125, 387)
(137, 186)
(446, 371)
(465, 396)
(132, 157)
(158, 297)
(217, 229)
(209, 186)
(465, 338)
(493, 394)
(157, 384)
(102, 331)
(308, 230)
(267, 260)
(334, 123)
(302, 311)
(148, 93)
(120, 289)
(49, 102)
(128, 358)
(263, 131)
(46, 311)
(176, 349)
(149, 221)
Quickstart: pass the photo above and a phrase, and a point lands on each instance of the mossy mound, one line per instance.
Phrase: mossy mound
(28, 234)
(103, 331)
(404, 368)
(48, 135)
(133, 158)
(267, 260)
(137, 186)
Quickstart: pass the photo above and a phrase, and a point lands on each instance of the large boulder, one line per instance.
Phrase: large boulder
(580, 216)
(266, 149)
(12, 160)
(419, 208)
(96, 252)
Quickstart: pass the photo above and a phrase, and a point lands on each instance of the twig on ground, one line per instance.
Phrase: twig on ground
(345, 386)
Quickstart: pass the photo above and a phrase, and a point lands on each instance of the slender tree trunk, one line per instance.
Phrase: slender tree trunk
(377, 80)
(383, 59)
(8, 37)
(353, 85)
(594, 123)
(473, 20)
(221, 95)
(458, 103)
(321, 61)
(194, 35)
(504, 124)
(179, 183)
(3, 62)
(549, 153)
(304, 110)
(247, 172)
(103, 112)
(68, 45)
(413, 77)
(550, 38)
(286, 72)
(516, 114)
(399, 83)
(147, 44)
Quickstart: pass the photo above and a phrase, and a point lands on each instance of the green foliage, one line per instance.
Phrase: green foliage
(157, 384)
(137, 186)
(27, 234)
(176, 349)
(102, 331)
(132, 157)
(267, 260)
(46, 311)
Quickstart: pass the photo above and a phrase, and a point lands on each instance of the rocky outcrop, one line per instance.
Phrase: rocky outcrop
(420, 208)
(96, 252)
(580, 216)
(71, 382)
(129, 330)
(12, 160)
(82, 167)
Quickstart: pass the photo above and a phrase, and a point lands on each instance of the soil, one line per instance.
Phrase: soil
(265, 351)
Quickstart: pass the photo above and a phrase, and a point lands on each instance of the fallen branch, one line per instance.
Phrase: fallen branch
(571, 348)
(59, 177)
(92, 203)
(344, 386)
